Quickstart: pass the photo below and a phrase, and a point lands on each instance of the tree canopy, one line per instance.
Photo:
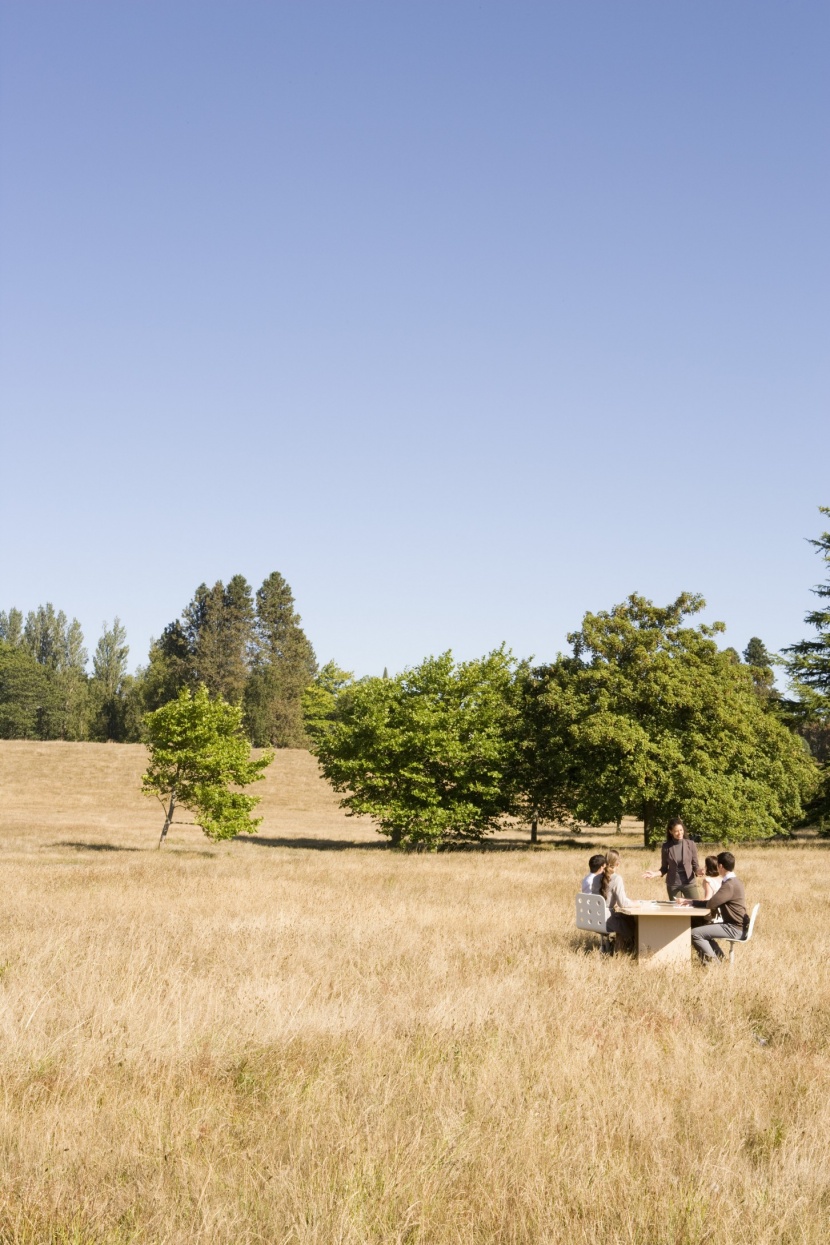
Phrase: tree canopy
(648, 718)
(429, 753)
(199, 756)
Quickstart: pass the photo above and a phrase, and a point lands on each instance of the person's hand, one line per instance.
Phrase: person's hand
(684, 903)
(651, 873)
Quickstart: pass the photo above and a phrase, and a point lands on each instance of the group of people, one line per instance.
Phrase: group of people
(713, 887)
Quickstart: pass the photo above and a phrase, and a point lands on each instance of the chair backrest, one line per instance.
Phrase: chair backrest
(748, 933)
(591, 913)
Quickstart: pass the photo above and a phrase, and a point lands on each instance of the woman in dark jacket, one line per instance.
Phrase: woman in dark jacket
(679, 863)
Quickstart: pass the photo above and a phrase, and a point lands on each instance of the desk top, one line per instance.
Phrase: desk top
(645, 907)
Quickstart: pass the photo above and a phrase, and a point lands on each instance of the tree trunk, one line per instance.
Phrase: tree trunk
(396, 836)
(168, 819)
(649, 820)
(619, 825)
(534, 831)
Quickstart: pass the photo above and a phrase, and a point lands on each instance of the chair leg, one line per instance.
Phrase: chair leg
(731, 954)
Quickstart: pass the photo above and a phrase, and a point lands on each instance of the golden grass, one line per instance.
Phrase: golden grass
(254, 1043)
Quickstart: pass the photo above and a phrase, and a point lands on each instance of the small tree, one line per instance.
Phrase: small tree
(198, 752)
(428, 753)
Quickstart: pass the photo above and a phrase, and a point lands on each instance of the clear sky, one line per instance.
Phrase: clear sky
(466, 317)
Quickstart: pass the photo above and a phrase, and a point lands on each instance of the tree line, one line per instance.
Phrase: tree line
(247, 648)
(644, 716)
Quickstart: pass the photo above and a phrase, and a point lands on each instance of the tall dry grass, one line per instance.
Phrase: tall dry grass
(267, 1044)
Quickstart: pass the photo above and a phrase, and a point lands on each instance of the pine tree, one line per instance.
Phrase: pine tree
(109, 670)
(283, 666)
(11, 627)
(218, 627)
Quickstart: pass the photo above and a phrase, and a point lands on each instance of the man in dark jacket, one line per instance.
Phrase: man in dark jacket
(679, 864)
(730, 901)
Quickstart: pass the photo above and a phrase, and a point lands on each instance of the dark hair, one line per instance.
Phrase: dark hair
(673, 822)
(727, 860)
(608, 872)
(711, 863)
(596, 863)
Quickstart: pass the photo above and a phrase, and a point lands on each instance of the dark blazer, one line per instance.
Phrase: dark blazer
(669, 866)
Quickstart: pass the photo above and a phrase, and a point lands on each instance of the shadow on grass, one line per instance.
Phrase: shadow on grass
(314, 845)
(96, 847)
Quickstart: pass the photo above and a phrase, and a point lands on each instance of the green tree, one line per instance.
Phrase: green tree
(649, 718)
(169, 668)
(31, 702)
(11, 627)
(283, 665)
(199, 757)
(761, 662)
(808, 665)
(109, 672)
(319, 700)
(809, 660)
(429, 753)
(218, 626)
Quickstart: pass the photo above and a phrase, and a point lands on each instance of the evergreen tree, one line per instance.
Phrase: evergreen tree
(218, 626)
(808, 664)
(761, 662)
(31, 703)
(283, 666)
(11, 627)
(809, 660)
(169, 668)
(109, 670)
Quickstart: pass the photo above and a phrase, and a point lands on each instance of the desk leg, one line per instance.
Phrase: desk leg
(664, 940)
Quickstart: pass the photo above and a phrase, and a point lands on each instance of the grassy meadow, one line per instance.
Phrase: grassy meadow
(307, 1039)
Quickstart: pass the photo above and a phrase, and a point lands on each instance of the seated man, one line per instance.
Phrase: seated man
(596, 865)
(730, 900)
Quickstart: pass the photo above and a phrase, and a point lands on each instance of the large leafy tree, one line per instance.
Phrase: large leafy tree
(282, 667)
(647, 717)
(199, 758)
(428, 754)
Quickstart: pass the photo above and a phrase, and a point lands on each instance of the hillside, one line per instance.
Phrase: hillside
(84, 794)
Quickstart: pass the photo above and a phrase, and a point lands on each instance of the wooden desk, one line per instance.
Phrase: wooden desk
(664, 933)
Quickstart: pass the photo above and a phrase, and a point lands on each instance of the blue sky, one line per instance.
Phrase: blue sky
(467, 318)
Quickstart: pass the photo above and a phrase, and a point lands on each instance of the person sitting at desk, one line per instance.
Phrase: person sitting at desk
(711, 877)
(730, 901)
(610, 885)
(678, 863)
(595, 866)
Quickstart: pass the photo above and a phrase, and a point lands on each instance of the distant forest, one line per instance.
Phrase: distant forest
(248, 647)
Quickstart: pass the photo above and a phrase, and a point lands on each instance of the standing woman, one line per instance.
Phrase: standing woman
(610, 885)
(678, 863)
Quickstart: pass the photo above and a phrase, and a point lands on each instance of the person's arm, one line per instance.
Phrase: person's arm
(622, 898)
(707, 888)
(722, 895)
(664, 865)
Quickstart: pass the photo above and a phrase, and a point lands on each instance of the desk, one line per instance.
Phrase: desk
(664, 933)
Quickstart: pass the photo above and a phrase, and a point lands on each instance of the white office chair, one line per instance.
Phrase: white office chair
(592, 914)
(744, 937)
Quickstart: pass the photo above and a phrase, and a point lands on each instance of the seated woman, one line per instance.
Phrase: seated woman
(711, 879)
(610, 885)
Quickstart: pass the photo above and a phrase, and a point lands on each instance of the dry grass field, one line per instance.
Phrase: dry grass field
(269, 1042)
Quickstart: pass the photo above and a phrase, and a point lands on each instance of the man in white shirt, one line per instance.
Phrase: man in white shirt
(596, 865)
